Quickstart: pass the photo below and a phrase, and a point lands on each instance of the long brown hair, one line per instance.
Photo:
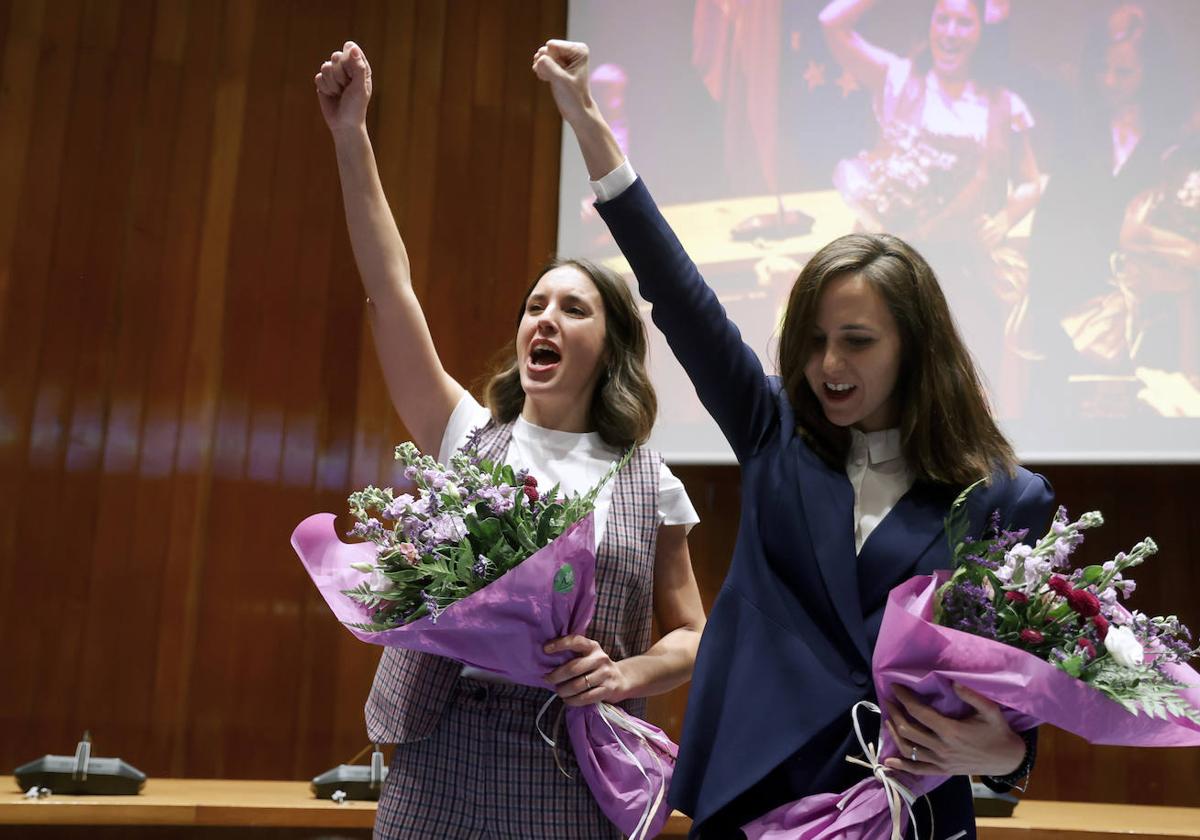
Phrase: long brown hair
(624, 404)
(949, 435)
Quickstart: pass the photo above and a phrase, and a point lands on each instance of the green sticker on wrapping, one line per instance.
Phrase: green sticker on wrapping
(564, 580)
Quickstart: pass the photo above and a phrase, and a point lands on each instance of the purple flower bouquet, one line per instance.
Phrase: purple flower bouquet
(484, 570)
(1047, 643)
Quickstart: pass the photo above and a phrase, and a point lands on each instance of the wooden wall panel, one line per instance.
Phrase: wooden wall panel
(187, 373)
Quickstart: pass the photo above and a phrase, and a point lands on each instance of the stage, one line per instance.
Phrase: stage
(220, 808)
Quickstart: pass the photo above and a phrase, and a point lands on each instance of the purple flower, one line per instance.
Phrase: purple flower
(498, 499)
(444, 528)
(425, 507)
(372, 529)
(482, 566)
(435, 479)
(968, 607)
(399, 506)
(431, 604)
(1117, 614)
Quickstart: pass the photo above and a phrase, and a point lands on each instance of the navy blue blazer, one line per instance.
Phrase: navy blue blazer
(787, 649)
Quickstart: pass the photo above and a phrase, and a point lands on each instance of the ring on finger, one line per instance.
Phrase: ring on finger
(913, 754)
(587, 682)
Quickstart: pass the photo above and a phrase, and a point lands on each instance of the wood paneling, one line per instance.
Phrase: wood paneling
(186, 373)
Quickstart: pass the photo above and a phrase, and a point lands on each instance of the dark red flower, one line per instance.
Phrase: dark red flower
(1032, 637)
(531, 492)
(1016, 597)
(1101, 625)
(1089, 648)
(1084, 602)
(530, 481)
(1061, 585)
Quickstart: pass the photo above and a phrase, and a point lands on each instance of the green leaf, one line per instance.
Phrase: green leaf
(547, 521)
(1072, 665)
(463, 559)
(524, 534)
(1091, 574)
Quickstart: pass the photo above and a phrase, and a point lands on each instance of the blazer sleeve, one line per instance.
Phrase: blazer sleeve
(727, 374)
(1033, 505)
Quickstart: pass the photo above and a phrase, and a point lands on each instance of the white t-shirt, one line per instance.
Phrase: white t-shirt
(574, 461)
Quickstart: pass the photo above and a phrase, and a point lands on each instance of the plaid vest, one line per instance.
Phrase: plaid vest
(411, 689)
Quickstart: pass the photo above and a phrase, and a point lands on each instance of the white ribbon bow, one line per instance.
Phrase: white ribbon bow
(897, 794)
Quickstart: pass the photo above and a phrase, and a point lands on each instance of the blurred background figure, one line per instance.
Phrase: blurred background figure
(953, 170)
(1086, 296)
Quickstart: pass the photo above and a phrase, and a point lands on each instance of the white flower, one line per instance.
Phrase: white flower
(1020, 550)
(1124, 647)
(363, 567)
(381, 582)
(1037, 569)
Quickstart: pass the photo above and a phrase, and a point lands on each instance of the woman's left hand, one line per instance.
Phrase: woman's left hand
(931, 744)
(588, 678)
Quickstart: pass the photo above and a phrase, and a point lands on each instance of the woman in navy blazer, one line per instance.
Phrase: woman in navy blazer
(867, 343)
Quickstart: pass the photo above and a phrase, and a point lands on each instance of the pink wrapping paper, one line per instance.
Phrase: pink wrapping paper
(502, 628)
(930, 659)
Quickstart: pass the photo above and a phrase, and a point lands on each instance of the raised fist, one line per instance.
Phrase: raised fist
(344, 88)
(564, 65)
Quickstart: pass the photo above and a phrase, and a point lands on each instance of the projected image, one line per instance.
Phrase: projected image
(1044, 157)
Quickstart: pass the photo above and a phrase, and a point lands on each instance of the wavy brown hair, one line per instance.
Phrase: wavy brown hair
(946, 426)
(624, 404)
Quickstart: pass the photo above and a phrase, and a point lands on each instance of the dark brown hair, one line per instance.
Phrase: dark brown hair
(623, 404)
(949, 435)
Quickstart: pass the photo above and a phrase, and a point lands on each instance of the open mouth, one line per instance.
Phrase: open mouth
(837, 392)
(544, 356)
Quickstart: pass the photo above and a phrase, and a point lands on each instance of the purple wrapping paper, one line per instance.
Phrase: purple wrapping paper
(502, 628)
(929, 659)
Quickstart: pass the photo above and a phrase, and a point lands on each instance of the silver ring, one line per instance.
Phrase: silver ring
(587, 682)
(913, 754)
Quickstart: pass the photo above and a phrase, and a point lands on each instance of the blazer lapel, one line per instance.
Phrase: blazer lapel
(895, 549)
(829, 510)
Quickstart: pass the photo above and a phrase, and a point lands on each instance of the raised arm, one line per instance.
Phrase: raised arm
(422, 392)
(865, 61)
(727, 374)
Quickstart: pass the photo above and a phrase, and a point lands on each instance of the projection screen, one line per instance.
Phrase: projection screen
(1046, 163)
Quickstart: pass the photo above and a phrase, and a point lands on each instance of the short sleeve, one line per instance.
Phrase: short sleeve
(674, 505)
(467, 416)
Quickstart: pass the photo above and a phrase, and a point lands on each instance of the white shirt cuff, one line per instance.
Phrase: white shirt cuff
(615, 182)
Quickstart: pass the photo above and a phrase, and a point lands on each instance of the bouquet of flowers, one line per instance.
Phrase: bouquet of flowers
(1030, 598)
(905, 179)
(1017, 624)
(481, 567)
(466, 527)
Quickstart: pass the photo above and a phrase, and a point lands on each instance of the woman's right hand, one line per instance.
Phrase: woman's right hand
(344, 88)
(564, 66)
